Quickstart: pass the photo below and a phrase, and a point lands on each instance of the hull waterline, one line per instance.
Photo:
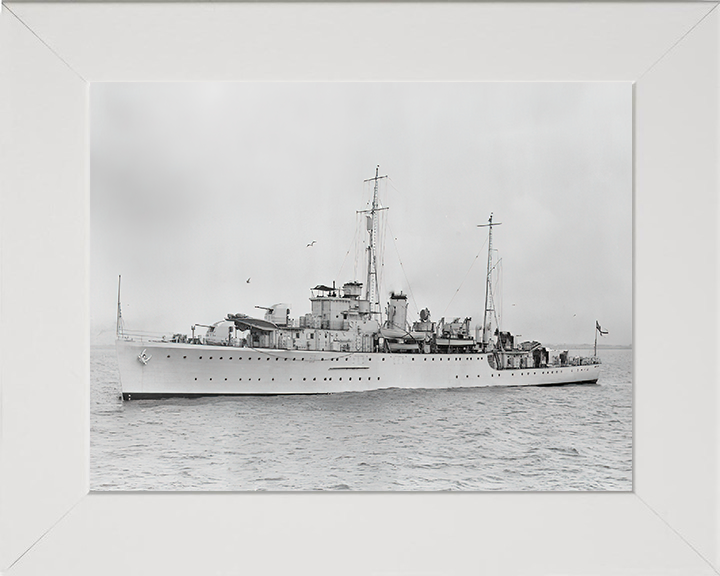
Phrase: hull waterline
(162, 369)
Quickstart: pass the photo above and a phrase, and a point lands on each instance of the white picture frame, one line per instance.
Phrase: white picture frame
(51, 52)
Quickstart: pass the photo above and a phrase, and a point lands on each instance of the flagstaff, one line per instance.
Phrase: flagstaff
(602, 333)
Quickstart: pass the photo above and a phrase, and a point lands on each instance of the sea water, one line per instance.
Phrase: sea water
(564, 438)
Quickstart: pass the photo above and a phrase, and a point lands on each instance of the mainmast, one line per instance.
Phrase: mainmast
(371, 287)
(489, 304)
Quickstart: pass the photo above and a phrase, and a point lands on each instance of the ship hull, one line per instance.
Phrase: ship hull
(162, 369)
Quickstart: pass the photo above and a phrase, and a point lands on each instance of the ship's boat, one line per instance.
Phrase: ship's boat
(345, 344)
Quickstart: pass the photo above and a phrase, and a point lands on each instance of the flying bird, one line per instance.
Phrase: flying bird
(311, 243)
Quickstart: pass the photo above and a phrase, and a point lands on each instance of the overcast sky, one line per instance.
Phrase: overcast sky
(196, 188)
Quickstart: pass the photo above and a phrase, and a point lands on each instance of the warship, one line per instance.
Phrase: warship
(346, 343)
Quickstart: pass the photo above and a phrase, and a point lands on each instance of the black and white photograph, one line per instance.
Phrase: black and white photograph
(361, 286)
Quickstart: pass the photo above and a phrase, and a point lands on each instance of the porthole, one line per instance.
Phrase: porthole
(184, 357)
(199, 357)
(225, 379)
(220, 357)
(168, 355)
(210, 379)
(195, 378)
(272, 379)
(314, 379)
(210, 357)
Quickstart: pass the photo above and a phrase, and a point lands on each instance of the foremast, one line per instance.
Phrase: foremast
(371, 286)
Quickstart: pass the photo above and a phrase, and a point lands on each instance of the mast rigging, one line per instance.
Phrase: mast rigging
(489, 303)
(371, 287)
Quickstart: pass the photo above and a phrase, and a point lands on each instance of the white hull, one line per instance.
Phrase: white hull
(169, 369)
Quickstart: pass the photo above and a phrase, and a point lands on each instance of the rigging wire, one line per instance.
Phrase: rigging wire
(382, 235)
(392, 183)
(466, 276)
(352, 244)
(499, 290)
(494, 291)
(402, 267)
